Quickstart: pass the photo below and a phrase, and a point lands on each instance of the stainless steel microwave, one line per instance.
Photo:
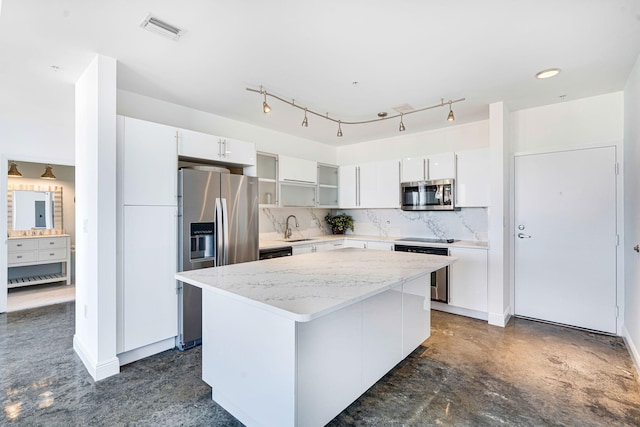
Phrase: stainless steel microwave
(436, 195)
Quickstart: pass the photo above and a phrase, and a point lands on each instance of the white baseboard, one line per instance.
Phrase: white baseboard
(633, 350)
(146, 351)
(97, 370)
(500, 320)
(435, 305)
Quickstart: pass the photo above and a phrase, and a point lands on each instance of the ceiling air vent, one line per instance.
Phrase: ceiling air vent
(160, 27)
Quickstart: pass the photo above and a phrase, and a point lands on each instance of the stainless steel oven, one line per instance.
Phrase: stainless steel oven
(439, 278)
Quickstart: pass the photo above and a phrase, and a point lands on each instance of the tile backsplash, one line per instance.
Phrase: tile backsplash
(465, 224)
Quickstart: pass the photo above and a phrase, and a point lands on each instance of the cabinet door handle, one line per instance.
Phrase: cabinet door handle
(19, 245)
(52, 243)
(51, 254)
(224, 151)
(19, 257)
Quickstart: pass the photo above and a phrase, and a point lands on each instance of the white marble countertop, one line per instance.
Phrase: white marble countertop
(37, 236)
(274, 243)
(305, 287)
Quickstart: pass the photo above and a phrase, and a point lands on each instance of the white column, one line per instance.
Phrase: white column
(499, 275)
(95, 337)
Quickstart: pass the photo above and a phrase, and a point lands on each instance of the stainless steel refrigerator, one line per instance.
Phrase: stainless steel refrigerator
(218, 225)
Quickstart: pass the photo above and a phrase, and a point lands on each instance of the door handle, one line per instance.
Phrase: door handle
(523, 236)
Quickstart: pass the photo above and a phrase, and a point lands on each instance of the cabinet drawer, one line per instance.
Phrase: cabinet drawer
(58, 254)
(52, 243)
(20, 257)
(22, 245)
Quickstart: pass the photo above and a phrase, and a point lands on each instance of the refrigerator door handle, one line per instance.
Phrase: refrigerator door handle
(225, 226)
(219, 235)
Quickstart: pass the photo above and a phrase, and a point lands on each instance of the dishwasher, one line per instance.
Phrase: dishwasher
(439, 278)
(275, 252)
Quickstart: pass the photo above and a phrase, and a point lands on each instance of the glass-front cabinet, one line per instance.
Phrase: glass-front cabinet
(267, 165)
(327, 186)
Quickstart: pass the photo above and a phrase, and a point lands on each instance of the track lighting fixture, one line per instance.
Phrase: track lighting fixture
(305, 123)
(450, 117)
(13, 170)
(48, 173)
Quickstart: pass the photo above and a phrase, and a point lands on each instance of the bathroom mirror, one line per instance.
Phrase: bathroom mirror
(34, 209)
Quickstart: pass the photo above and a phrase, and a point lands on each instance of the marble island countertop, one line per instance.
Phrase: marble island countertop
(309, 286)
(296, 241)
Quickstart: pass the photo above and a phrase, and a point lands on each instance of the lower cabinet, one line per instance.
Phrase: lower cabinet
(317, 247)
(368, 244)
(468, 279)
(149, 300)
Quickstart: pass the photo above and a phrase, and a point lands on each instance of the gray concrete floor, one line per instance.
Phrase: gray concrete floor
(467, 374)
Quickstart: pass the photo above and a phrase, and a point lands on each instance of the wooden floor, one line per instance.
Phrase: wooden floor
(39, 296)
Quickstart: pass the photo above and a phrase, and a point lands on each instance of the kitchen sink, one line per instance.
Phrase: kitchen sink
(297, 240)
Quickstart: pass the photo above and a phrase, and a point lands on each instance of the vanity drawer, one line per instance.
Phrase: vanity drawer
(22, 245)
(52, 243)
(58, 254)
(20, 257)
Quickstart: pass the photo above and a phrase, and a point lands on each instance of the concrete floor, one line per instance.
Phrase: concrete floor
(467, 374)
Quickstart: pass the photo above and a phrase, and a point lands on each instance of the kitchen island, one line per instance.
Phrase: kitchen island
(293, 341)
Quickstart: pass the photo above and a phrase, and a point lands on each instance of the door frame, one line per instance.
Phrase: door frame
(619, 152)
(4, 187)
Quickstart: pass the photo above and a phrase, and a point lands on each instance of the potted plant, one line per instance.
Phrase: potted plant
(339, 223)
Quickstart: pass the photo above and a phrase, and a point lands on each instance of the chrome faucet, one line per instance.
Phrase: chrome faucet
(287, 231)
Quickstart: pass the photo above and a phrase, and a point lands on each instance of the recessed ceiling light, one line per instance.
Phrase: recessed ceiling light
(546, 74)
(55, 67)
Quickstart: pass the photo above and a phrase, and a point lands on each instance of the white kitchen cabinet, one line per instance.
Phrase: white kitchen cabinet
(149, 297)
(434, 166)
(370, 185)
(380, 184)
(472, 181)
(203, 146)
(350, 243)
(348, 195)
(297, 194)
(297, 170)
(380, 246)
(148, 162)
(468, 279)
(416, 313)
(442, 166)
(316, 247)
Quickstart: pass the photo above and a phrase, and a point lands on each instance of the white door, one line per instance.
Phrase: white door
(565, 237)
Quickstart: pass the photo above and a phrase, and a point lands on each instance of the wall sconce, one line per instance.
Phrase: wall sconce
(13, 170)
(48, 173)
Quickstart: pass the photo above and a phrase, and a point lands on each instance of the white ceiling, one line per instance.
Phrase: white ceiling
(411, 51)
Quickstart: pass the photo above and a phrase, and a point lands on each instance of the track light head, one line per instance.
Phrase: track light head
(401, 128)
(265, 106)
(339, 128)
(305, 122)
(450, 117)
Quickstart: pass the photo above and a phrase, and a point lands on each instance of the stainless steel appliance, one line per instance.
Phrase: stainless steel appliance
(439, 278)
(276, 252)
(218, 225)
(436, 195)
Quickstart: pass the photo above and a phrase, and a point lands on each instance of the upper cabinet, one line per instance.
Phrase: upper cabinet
(297, 170)
(143, 145)
(472, 183)
(267, 165)
(327, 186)
(198, 145)
(370, 185)
(435, 166)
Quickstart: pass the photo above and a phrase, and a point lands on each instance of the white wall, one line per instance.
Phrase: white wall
(570, 124)
(145, 108)
(631, 329)
(95, 337)
(451, 138)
